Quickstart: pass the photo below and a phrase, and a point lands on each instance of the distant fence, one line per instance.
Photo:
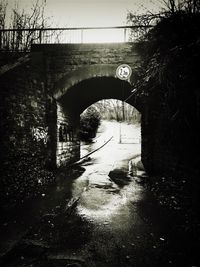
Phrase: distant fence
(21, 39)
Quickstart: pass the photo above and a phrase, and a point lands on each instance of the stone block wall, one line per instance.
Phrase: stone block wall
(68, 144)
(61, 60)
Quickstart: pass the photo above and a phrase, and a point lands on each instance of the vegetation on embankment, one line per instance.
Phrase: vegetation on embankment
(23, 176)
(169, 77)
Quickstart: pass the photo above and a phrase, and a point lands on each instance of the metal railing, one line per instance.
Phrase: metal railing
(21, 39)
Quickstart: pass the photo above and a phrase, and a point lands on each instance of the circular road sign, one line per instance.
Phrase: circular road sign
(124, 72)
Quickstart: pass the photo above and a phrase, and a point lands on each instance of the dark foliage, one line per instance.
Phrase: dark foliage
(23, 175)
(169, 75)
(89, 123)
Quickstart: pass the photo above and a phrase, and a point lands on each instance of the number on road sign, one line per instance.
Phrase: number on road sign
(124, 72)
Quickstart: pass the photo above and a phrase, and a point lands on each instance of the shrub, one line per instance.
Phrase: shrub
(89, 123)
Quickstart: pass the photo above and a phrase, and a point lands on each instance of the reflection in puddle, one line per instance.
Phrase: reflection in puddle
(103, 204)
(105, 188)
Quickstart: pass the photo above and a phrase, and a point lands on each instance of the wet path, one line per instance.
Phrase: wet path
(119, 233)
(100, 217)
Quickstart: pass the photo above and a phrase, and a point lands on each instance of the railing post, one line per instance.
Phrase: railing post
(81, 36)
(1, 39)
(40, 36)
(125, 34)
(13, 41)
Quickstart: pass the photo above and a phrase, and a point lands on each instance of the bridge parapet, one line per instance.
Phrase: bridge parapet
(22, 39)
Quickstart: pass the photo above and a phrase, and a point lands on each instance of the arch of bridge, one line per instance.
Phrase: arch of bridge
(87, 85)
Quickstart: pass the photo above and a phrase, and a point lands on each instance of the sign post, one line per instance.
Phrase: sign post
(123, 72)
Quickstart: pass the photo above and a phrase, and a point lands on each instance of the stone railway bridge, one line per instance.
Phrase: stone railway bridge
(44, 93)
(48, 90)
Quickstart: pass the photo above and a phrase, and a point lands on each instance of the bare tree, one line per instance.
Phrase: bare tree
(170, 7)
(113, 109)
(3, 6)
(30, 21)
(26, 26)
(189, 6)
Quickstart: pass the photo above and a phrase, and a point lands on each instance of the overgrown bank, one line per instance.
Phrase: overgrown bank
(169, 77)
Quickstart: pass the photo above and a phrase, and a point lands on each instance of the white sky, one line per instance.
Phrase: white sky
(83, 13)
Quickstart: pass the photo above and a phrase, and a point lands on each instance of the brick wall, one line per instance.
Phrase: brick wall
(62, 60)
(68, 144)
